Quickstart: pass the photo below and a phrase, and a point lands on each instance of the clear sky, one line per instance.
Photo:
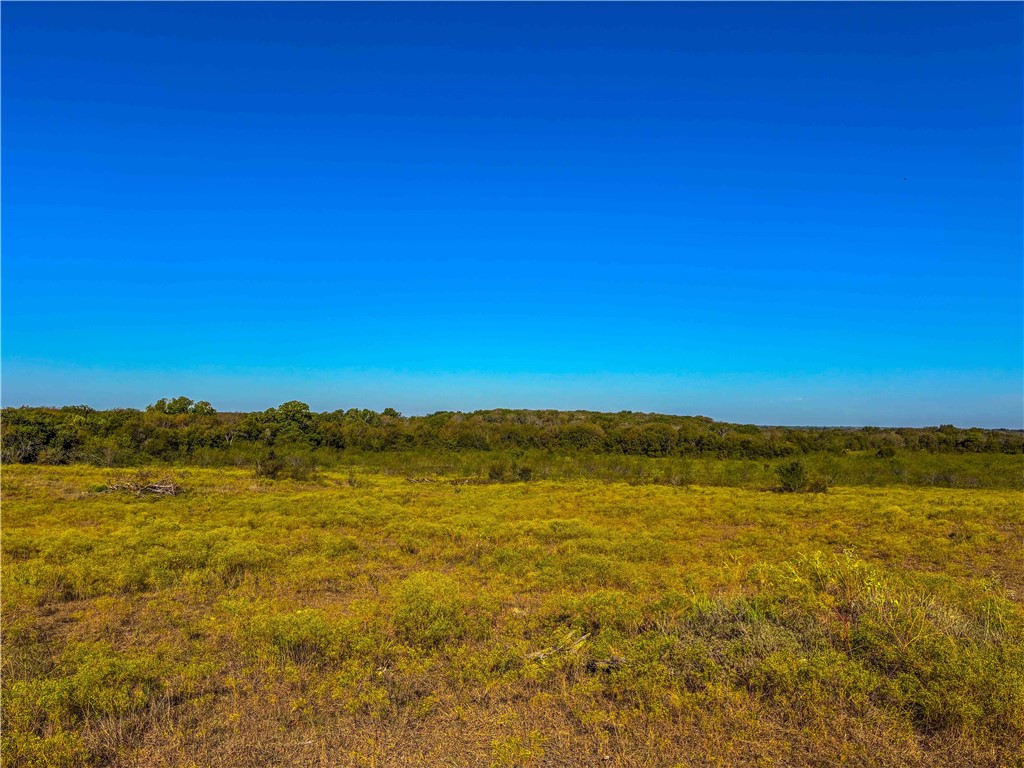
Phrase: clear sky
(775, 213)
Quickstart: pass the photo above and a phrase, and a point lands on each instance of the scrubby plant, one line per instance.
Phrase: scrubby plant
(792, 476)
(429, 610)
(291, 466)
(508, 471)
(948, 668)
(305, 636)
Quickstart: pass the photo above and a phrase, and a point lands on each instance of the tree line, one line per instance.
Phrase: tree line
(182, 430)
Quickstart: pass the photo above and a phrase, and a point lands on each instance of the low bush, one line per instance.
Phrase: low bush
(429, 611)
(792, 476)
(289, 467)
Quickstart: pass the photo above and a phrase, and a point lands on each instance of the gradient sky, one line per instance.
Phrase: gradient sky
(774, 213)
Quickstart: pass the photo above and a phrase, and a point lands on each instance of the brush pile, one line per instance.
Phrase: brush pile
(145, 483)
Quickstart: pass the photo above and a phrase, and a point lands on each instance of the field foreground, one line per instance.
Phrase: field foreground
(365, 620)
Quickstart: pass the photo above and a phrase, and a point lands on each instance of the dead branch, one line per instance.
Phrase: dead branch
(144, 484)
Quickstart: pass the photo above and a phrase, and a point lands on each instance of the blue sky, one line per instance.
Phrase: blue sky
(774, 213)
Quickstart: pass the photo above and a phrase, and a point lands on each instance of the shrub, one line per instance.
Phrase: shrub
(305, 636)
(231, 561)
(289, 467)
(792, 476)
(942, 666)
(817, 485)
(429, 611)
(505, 471)
(499, 471)
(269, 468)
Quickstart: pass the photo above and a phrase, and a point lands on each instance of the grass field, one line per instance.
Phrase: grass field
(364, 620)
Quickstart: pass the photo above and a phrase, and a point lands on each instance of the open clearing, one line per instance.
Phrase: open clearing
(366, 620)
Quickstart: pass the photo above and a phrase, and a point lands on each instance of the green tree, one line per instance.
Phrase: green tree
(179, 405)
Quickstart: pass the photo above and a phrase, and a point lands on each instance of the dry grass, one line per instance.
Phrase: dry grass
(570, 623)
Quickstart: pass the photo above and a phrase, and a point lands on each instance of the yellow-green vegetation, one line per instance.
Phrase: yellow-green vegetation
(365, 620)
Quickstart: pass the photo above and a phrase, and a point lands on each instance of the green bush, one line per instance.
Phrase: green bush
(792, 476)
(429, 612)
(945, 667)
(817, 485)
(509, 471)
(305, 636)
(290, 467)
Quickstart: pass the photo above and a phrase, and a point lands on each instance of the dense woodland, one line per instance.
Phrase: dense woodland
(181, 430)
